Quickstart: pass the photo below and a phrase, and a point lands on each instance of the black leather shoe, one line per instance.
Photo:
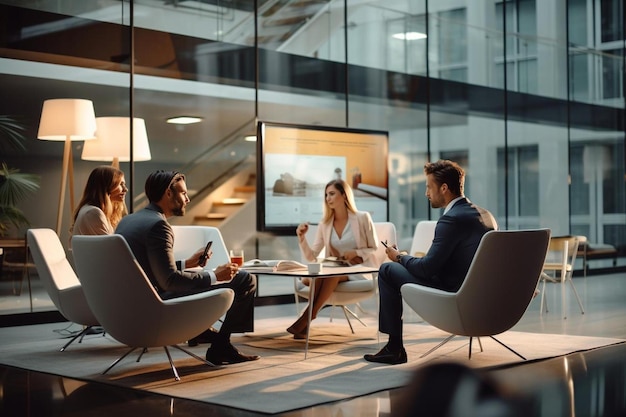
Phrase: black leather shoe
(388, 357)
(228, 355)
(207, 336)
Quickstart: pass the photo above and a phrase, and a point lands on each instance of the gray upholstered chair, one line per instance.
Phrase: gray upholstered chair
(60, 280)
(129, 308)
(498, 287)
(353, 291)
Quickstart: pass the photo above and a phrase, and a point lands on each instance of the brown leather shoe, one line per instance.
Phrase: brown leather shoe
(208, 336)
(388, 357)
(228, 355)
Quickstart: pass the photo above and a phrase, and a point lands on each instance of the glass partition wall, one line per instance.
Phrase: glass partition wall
(530, 103)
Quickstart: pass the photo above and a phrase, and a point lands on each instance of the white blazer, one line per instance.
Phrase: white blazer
(364, 234)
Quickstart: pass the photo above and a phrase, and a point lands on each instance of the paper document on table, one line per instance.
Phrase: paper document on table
(333, 261)
(259, 265)
(272, 265)
(287, 265)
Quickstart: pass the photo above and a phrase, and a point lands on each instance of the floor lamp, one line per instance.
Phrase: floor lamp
(113, 141)
(67, 120)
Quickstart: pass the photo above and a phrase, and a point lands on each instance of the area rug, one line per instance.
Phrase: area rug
(282, 380)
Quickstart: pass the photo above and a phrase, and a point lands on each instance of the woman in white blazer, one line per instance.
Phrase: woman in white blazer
(345, 233)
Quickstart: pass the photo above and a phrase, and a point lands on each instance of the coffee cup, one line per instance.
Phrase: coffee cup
(314, 268)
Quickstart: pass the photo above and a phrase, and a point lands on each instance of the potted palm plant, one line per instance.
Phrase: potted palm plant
(14, 185)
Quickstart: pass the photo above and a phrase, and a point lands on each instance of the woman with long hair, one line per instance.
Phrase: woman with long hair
(347, 234)
(102, 205)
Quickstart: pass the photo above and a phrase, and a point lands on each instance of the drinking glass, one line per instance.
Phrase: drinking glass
(236, 256)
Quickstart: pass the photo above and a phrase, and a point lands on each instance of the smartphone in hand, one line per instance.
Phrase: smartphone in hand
(205, 255)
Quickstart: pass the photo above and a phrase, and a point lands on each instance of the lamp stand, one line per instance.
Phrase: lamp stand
(68, 171)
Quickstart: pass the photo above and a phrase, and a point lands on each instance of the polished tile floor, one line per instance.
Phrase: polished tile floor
(590, 383)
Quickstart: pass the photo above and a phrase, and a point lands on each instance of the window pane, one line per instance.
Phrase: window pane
(612, 74)
(579, 76)
(612, 20)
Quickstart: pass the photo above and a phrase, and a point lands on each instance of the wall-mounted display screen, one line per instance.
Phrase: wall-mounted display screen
(295, 162)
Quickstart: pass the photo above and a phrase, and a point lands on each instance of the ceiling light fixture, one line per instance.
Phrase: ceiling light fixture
(184, 120)
(410, 36)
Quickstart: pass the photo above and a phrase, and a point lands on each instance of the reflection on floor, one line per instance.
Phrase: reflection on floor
(592, 383)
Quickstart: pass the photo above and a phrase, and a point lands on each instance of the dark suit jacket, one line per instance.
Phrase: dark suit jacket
(151, 239)
(457, 235)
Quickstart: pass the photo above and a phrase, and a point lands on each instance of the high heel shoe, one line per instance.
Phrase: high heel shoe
(297, 334)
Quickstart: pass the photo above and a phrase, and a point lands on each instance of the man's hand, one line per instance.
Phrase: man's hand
(194, 260)
(226, 272)
(392, 252)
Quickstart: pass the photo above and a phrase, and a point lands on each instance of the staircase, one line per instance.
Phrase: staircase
(278, 22)
(225, 208)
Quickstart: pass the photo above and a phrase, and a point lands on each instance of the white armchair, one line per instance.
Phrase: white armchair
(422, 237)
(498, 287)
(60, 280)
(129, 308)
(188, 239)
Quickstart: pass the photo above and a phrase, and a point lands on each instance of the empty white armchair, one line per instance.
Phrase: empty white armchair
(60, 280)
(129, 308)
(498, 287)
(188, 239)
(422, 238)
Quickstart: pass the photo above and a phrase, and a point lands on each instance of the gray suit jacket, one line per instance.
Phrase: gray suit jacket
(151, 239)
(457, 235)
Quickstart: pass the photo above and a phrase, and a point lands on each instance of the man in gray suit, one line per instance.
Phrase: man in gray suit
(457, 235)
(151, 239)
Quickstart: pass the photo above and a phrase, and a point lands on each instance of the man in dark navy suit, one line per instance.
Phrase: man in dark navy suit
(457, 235)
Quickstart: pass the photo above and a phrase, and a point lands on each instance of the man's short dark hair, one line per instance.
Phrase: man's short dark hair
(447, 172)
(159, 181)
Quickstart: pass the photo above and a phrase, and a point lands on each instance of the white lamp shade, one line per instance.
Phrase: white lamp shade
(113, 140)
(65, 118)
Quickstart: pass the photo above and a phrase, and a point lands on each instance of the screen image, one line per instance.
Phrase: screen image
(296, 162)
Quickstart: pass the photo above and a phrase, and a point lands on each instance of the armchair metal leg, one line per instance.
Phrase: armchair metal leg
(580, 304)
(144, 350)
(353, 314)
(81, 335)
(480, 344)
(443, 342)
(345, 313)
(169, 358)
(507, 347)
(118, 360)
(193, 355)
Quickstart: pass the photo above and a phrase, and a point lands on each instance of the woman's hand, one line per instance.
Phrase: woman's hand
(301, 230)
(352, 257)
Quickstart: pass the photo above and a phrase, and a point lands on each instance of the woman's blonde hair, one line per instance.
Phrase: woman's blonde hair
(345, 191)
(98, 193)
